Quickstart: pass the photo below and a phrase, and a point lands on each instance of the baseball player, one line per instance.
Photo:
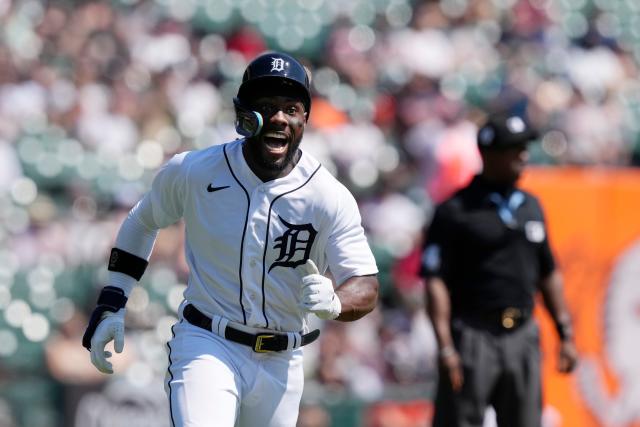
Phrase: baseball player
(263, 221)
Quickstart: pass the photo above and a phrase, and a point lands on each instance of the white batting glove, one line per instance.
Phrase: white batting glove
(110, 328)
(318, 296)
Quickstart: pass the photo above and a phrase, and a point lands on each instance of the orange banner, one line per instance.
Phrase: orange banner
(594, 227)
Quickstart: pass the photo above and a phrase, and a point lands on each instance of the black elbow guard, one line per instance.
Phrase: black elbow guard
(111, 299)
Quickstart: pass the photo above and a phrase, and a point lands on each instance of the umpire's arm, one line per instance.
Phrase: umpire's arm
(551, 289)
(439, 310)
(437, 253)
(440, 236)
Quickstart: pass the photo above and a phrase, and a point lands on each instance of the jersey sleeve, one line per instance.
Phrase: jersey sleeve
(161, 206)
(437, 242)
(348, 251)
(168, 191)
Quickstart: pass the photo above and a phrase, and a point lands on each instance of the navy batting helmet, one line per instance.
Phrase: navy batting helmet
(275, 73)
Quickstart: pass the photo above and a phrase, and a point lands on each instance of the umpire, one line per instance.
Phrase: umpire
(486, 255)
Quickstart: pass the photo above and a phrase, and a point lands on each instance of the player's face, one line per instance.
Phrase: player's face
(273, 151)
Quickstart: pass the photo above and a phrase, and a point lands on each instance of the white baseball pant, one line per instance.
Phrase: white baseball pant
(212, 381)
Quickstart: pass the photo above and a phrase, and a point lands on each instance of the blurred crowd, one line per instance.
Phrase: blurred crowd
(96, 95)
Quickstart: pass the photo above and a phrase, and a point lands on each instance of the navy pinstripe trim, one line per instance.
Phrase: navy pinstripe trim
(244, 230)
(173, 335)
(266, 242)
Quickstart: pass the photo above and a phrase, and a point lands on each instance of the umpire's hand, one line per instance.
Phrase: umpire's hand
(451, 364)
(568, 357)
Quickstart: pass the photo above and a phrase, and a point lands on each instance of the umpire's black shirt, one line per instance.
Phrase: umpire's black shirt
(489, 245)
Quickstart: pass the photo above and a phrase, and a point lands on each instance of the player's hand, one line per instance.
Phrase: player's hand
(318, 295)
(452, 364)
(110, 328)
(568, 357)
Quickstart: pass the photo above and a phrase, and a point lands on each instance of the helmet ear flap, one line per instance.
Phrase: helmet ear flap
(248, 122)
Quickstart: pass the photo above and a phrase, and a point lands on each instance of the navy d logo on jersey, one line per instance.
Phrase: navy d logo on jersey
(294, 244)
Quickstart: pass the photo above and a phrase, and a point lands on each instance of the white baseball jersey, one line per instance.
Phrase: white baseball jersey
(245, 237)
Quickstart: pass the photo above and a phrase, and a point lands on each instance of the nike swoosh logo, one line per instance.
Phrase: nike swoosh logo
(211, 188)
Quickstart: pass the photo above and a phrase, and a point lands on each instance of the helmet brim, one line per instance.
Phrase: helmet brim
(267, 86)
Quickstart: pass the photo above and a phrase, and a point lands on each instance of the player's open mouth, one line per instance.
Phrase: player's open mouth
(275, 142)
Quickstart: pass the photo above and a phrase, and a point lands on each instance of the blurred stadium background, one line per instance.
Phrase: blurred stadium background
(96, 95)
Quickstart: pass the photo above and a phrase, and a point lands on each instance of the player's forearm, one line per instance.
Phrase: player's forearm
(439, 310)
(551, 289)
(358, 296)
(136, 237)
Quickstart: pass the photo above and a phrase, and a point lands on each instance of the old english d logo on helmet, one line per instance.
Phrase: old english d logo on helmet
(277, 64)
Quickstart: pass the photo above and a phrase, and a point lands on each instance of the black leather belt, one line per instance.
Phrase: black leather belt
(260, 343)
(505, 319)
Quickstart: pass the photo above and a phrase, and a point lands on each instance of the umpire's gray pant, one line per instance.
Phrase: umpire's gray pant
(501, 369)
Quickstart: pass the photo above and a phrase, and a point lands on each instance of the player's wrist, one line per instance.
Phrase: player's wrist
(336, 307)
(122, 281)
(332, 311)
(111, 302)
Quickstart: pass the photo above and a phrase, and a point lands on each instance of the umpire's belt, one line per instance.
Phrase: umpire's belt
(505, 319)
(262, 342)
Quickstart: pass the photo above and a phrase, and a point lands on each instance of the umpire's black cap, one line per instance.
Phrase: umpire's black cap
(503, 131)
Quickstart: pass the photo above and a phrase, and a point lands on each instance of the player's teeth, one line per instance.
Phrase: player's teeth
(275, 136)
(275, 142)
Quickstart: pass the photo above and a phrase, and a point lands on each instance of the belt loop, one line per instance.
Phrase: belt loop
(218, 324)
(181, 308)
(291, 342)
(294, 340)
(221, 326)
